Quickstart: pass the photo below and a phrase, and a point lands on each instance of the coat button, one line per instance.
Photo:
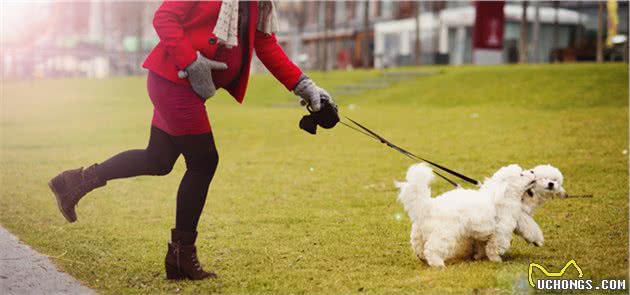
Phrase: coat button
(212, 40)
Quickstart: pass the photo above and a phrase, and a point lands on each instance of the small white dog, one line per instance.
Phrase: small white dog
(549, 182)
(464, 222)
(548, 185)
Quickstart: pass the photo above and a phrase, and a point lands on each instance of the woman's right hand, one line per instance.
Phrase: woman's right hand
(200, 75)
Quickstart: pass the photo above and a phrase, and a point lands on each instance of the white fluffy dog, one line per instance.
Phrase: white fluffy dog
(549, 182)
(464, 222)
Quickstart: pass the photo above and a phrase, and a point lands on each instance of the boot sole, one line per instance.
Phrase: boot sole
(52, 188)
(173, 274)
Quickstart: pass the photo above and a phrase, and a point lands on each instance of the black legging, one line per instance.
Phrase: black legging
(159, 157)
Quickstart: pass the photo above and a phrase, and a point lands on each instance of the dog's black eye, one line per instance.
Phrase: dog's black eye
(530, 193)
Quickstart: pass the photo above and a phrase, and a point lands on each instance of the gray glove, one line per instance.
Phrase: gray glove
(310, 93)
(199, 74)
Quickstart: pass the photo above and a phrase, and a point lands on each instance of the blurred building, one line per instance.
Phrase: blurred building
(448, 35)
(339, 34)
(343, 34)
(103, 38)
(65, 39)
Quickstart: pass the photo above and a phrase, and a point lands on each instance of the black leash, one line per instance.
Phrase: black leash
(365, 131)
(455, 184)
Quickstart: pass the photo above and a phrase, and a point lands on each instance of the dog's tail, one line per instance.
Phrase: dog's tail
(415, 193)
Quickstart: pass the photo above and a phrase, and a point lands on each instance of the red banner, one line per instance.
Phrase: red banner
(489, 24)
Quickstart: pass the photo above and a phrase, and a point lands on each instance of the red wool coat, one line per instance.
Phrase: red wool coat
(186, 27)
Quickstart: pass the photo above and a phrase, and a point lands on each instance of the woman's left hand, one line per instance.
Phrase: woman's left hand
(311, 94)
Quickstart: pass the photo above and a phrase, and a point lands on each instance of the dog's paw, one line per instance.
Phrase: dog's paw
(438, 265)
(538, 241)
(434, 262)
(495, 258)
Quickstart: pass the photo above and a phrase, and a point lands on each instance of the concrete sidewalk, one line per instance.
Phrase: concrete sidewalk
(24, 271)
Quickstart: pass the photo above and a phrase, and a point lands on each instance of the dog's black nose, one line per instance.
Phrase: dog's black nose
(550, 185)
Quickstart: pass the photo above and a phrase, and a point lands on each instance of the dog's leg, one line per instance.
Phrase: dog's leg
(438, 248)
(417, 243)
(480, 231)
(433, 259)
(492, 249)
(501, 239)
(479, 250)
(505, 228)
(527, 228)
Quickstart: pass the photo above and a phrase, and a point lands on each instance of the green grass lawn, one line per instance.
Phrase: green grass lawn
(289, 212)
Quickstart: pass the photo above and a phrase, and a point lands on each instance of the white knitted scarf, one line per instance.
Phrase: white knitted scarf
(226, 28)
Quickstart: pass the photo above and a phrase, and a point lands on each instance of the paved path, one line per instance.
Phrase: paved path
(24, 271)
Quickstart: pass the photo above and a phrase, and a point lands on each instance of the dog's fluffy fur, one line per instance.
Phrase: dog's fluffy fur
(463, 223)
(549, 182)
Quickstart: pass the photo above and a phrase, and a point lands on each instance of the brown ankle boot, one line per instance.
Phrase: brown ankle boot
(70, 186)
(181, 259)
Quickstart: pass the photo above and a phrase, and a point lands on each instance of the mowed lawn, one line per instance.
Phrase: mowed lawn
(289, 212)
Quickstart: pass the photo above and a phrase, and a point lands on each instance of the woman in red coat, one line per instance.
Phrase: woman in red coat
(203, 46)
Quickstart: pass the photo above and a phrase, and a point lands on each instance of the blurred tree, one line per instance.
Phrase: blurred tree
(534, 44)
(522, 42)
(317, 24)
(437, 7)
(365, 44)
(418, 49)
(580, 29)
(300, 16)
(600, 33)
(129, 25)
(555, 51)
(139, 32)
(332, 25)
(329, 26)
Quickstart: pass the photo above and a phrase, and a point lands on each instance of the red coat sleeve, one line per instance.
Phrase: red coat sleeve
(167, 22)
(275, 60)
